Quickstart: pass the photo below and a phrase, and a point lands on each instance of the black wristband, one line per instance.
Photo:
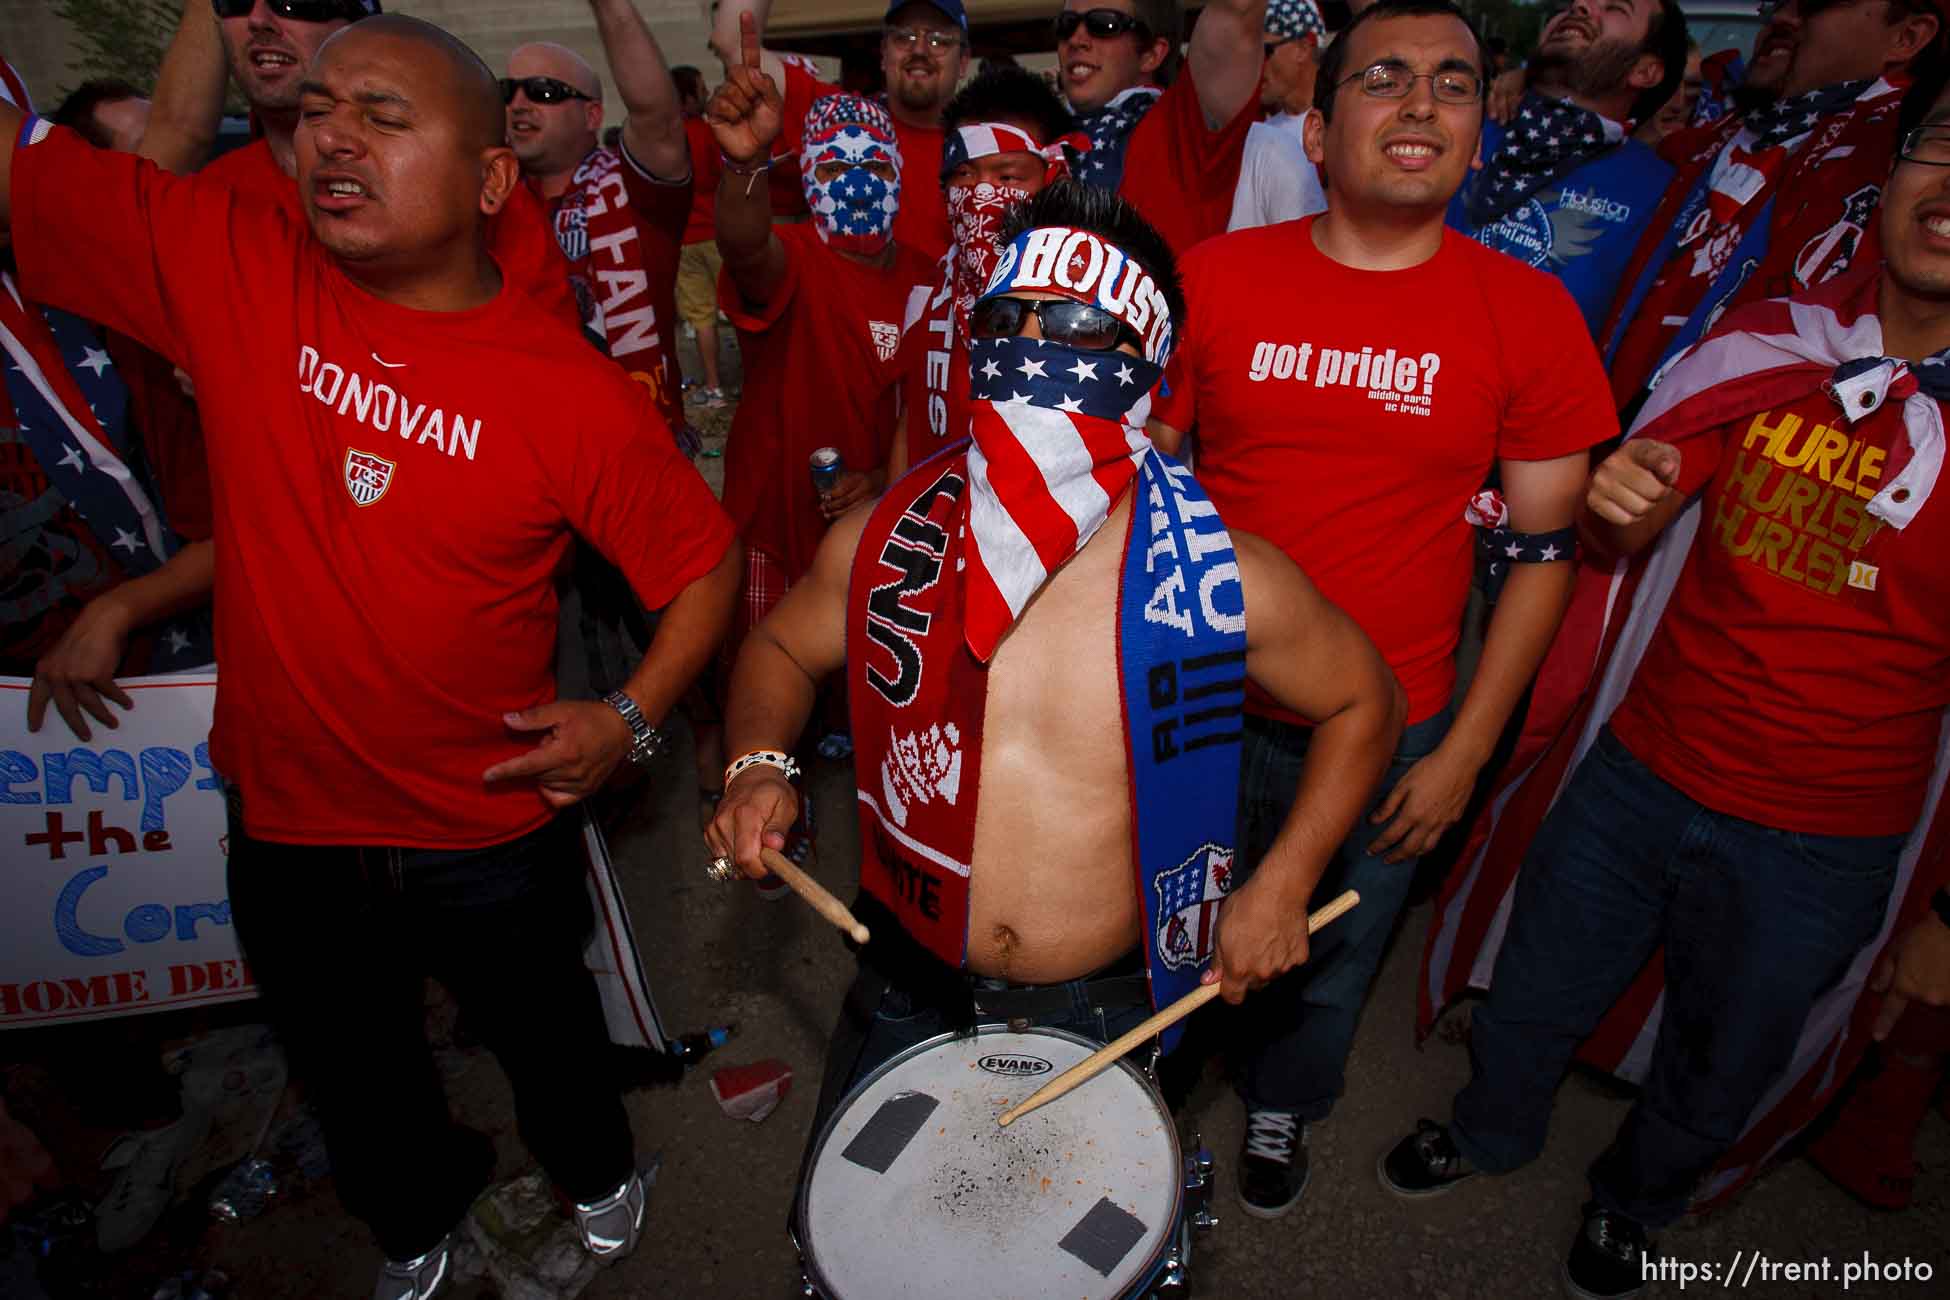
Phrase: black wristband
(1940, 904)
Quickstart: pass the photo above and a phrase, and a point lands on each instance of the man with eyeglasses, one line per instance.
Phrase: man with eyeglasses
(267, 44)
(923, 52)
(1352, 426)
(1779, 195)
(1172, 151)
(1563, 187)
(1747, 737)
(618, 214)
(1046, 645)
(402, 448)
(1277, 181)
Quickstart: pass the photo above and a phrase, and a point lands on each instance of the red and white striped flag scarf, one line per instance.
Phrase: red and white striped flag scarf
(1058, 431)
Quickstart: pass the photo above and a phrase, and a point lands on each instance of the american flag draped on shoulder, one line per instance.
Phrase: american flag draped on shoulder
(1763, 355)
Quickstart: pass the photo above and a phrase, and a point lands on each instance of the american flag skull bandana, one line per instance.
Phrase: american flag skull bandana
(855, 209)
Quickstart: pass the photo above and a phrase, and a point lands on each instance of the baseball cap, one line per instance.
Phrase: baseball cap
(950, 9)
(1286, 19)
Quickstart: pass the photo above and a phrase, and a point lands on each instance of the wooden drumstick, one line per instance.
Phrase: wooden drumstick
(815, 893)
(1104, 1057)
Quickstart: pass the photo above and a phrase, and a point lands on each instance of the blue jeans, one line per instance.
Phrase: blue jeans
(1289, 1041)
(1756, 922)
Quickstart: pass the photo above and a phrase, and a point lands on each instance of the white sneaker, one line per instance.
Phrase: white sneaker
(415, 1279)
(611, 1226)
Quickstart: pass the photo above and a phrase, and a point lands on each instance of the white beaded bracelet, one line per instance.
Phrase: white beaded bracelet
(763, 758)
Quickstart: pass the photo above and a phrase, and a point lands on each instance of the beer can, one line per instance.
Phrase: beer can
(825, 470)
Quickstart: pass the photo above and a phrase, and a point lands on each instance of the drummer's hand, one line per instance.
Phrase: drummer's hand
(1260, 937)
(758, 807)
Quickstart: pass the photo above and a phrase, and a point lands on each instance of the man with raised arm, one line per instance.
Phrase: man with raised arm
(402, 447)
(618, 214)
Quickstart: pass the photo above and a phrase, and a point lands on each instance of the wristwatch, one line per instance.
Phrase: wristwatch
(646, 742)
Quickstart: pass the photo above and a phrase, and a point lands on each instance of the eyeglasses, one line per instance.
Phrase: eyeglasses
(304, 11)
(907, 38)
(1063, 321)
(1929, 145)
(540, 90)
(1393, 81)
(1102, 24)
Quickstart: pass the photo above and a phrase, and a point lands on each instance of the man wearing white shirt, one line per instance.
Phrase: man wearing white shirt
(1277, 181)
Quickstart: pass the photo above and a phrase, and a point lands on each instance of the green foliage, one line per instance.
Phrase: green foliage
(119, 38)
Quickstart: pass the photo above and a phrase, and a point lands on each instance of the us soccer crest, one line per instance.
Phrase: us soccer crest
(367, 476)
(886, 338)
(1188, 905)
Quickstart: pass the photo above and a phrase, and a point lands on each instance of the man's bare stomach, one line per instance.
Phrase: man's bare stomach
(1052, 896)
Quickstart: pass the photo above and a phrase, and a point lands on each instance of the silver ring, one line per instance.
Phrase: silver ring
(722, 870)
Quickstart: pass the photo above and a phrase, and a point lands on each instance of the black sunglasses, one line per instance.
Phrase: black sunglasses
(540, 90)
(304, 11)
(1063, 321)
(1102, 24)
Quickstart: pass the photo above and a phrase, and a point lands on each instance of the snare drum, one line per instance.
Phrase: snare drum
(913, 1189)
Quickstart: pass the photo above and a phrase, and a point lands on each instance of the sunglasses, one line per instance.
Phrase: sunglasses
(1102, 24)
(1062, 320)
(304, 11)
(540, 90)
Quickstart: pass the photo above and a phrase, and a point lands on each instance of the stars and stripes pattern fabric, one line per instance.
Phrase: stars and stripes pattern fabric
(1762, 356)
(1058, 434)
(854, 210)
(1286, 19)
(1109, 130)
(1548, 138)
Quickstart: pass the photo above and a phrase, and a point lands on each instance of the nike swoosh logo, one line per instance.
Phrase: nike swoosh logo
(388, 364)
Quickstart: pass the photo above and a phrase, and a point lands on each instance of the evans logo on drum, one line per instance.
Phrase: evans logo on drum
(1015, 1067)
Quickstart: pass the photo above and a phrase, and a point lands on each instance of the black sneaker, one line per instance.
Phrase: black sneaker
(1608, 1258)
(1425, 1163)
(1273, 1168)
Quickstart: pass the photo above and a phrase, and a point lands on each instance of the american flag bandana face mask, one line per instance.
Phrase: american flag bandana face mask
(853, 211)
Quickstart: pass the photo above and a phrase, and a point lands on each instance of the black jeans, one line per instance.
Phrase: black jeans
(341, 940)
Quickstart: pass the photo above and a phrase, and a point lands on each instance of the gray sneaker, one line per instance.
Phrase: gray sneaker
(415, 1279)
(611, 1226)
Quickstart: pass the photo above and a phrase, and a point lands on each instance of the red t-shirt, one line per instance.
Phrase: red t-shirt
(1179, 173)
(517, 236)
(707, 165)
(622, 230)
(922, 222)
(394, 491)
(933, 366)
(1353, 436)
(1799, 675)
(820, 370)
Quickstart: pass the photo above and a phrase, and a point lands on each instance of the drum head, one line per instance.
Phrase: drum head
(915, 1190)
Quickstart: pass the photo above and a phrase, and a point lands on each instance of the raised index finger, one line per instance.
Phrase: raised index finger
(748, 40)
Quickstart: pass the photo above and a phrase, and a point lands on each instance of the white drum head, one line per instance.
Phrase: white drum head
(915, 1190)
